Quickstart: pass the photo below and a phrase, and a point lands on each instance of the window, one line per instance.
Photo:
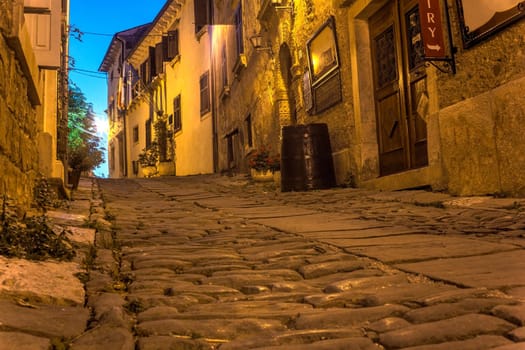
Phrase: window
(136, 134)
(205, 93)
(145, 76)
(224, 67)
(177, 118)
(159, 59)
(170, 44)
(233, 141)
(152, 65)
(203, 14)
(249, 135)
(162, 138)
(112, 157)
(148, 132)
(111, 111)
(121, 153)
(238, 30)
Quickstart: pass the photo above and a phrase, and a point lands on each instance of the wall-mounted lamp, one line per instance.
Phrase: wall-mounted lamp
(257, 43)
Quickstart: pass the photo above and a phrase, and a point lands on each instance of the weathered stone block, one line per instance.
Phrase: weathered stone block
(468, 147)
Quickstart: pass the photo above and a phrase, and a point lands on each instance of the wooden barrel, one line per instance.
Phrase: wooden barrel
(306, 158)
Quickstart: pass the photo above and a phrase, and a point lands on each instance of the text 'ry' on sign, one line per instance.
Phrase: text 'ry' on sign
(432, 28)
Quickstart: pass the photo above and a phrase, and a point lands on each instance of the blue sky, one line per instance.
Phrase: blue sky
(99, 20)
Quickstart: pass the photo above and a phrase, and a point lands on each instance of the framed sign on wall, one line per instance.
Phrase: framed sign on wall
(324, 77)
(482, 18)
(323, 58)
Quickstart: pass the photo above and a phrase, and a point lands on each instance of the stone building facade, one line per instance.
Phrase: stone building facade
(120, 80)
(395, 120)
(159, 92)
(32, 71)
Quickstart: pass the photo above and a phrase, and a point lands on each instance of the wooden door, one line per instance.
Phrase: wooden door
(400, 86)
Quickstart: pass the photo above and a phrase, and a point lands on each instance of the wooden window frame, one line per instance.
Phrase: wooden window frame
(203, 14)
(239, 35)
(136, 134)
(249, 132)
(170, 44)
(159, 58)
(204, 87)
(152, 63)
(177, 114)
(145, 72)
(224, 67)
(148, 132)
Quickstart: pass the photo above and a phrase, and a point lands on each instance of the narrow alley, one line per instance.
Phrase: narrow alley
(209, 262)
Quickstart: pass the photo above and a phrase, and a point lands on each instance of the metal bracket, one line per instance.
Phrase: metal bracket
(448, 66)
(449, 62)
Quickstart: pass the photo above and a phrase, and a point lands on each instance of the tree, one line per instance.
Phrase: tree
(84, 150)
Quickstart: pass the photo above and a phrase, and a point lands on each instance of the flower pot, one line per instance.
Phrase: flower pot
(261, 175)
(166, 168)
(277, 178)
(149, 171)
(74, 178)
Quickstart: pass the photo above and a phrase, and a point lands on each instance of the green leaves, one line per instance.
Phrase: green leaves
(84, 149)
(32, 237)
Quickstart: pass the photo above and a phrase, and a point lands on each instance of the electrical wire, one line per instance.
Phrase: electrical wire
(88, 75)
(86, 70)
(81, 33)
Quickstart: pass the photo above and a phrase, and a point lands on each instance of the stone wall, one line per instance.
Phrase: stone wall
(18, 149)
(474, 127)
(482, 113)
(259, 90)
(310, 16)
(485, 66)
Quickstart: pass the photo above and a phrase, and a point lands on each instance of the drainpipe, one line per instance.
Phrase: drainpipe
(125, 138)
(213, 104)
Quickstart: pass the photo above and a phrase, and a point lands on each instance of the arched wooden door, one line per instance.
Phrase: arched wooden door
(400, 86)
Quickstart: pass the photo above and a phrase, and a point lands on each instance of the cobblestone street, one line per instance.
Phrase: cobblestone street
(215, 262)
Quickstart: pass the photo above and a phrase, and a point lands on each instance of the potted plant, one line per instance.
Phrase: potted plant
(83, 159)
(263, 164)
(148, 159)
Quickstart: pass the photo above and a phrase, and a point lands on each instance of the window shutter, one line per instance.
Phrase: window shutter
(177, 118)
(144, 72)
(205, 93)
(224, 67)
(200, 14)
(148, 132)
(172, 44)
(152, 61)
(203, 13)
(159, 67)
(238, 30)
(165, 48)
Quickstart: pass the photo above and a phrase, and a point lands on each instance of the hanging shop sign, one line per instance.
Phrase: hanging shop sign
(432, 29)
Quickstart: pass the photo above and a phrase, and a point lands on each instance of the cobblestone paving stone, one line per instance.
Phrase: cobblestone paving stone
(208, 262)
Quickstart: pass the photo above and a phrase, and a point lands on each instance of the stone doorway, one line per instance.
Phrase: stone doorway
(399, 77)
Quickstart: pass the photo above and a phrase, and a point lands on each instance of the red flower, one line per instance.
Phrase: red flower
(262, 159)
